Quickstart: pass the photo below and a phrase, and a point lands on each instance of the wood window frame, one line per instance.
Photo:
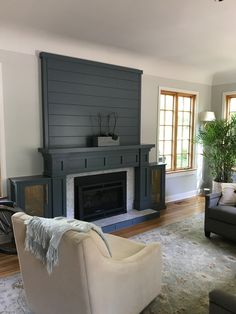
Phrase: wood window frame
(228, 97)
(191, 126)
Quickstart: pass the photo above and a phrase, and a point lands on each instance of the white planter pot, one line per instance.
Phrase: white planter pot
(216, 187)
(105, 141)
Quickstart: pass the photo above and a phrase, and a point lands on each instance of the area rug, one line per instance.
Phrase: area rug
(192, 266)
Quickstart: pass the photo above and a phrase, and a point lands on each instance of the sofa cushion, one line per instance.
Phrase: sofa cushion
(228, 194)
(223, 213)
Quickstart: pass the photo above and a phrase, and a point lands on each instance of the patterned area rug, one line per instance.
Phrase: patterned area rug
(192, 266)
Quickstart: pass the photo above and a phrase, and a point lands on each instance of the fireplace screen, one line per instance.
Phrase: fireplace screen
(99, 196)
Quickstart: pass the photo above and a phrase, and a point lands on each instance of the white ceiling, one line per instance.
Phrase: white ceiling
(199, 33)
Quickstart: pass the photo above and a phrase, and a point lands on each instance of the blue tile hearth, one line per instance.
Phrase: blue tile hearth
(132, 217)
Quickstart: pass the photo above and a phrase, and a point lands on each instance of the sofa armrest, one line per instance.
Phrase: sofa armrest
(212, 200)
(222, 301)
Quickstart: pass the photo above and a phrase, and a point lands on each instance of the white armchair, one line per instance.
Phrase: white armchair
(87, 280)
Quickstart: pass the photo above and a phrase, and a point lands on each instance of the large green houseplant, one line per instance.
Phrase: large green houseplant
(218, 138)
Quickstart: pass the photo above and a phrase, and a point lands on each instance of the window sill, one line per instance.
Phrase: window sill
(181, 173)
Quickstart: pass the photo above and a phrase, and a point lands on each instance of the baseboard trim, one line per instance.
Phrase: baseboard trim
(181, 196)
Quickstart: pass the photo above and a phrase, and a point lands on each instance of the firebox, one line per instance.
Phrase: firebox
(100, 196)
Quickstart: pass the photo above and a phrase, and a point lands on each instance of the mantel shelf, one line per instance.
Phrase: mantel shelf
(70, 150)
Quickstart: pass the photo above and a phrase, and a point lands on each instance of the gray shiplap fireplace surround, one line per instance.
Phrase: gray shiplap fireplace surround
(74, 92)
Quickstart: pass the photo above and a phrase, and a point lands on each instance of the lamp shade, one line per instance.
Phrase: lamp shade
(206, 116)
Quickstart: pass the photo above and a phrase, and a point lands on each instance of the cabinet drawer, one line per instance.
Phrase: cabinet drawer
(131, 159)
(95, 162)
(75, 165)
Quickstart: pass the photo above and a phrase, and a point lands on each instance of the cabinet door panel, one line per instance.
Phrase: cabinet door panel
(156, 185)
(36, 198)
(131, 159)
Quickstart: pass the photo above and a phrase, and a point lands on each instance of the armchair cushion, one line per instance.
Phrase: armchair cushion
(222, 213)
(123, 249)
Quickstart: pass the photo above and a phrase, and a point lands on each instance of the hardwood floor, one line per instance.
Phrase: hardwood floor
(175, 211)
(8, 265)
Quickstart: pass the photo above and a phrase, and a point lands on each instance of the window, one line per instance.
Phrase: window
(176, 130)
(230, 105)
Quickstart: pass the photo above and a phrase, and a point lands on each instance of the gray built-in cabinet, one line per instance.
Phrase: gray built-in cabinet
(74, 93)
(33, 194)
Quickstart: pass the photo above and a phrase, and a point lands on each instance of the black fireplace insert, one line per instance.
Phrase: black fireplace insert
(100, 196)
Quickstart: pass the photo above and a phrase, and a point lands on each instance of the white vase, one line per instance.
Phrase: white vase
(100, 141)
(216, 187)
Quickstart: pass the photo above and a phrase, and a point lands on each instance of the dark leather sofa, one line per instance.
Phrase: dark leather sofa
(219, 219)
(221, 302)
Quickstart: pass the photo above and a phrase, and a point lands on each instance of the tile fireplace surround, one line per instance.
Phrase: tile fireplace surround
(117, 221)
(70, 188)
(63, 165)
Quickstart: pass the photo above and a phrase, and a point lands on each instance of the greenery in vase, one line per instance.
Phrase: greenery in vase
(218, 138)
(111, 118)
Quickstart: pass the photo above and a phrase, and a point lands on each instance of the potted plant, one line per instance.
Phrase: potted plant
(109, 137)
(218, 138)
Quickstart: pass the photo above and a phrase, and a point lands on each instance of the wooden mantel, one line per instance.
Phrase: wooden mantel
(63, 161)
(60, 162)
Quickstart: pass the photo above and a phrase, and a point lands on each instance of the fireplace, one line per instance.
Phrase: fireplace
(100, 196)
(70, 108)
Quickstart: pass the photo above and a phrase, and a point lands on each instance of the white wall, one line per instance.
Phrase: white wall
(26, 42)
(22, 99)
(22, 113)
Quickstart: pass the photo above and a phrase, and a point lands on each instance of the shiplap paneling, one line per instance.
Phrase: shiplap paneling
(76, 90)
(88, 79)
(90, 120)
(59, 142)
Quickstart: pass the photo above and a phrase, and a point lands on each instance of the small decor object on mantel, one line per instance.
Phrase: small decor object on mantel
(105, 141)
(109, 138)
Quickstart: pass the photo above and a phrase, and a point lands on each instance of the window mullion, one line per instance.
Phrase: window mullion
(175, 129)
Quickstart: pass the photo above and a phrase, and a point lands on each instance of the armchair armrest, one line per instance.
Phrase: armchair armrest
(134, 278)
(221, 300)
(212, 200)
